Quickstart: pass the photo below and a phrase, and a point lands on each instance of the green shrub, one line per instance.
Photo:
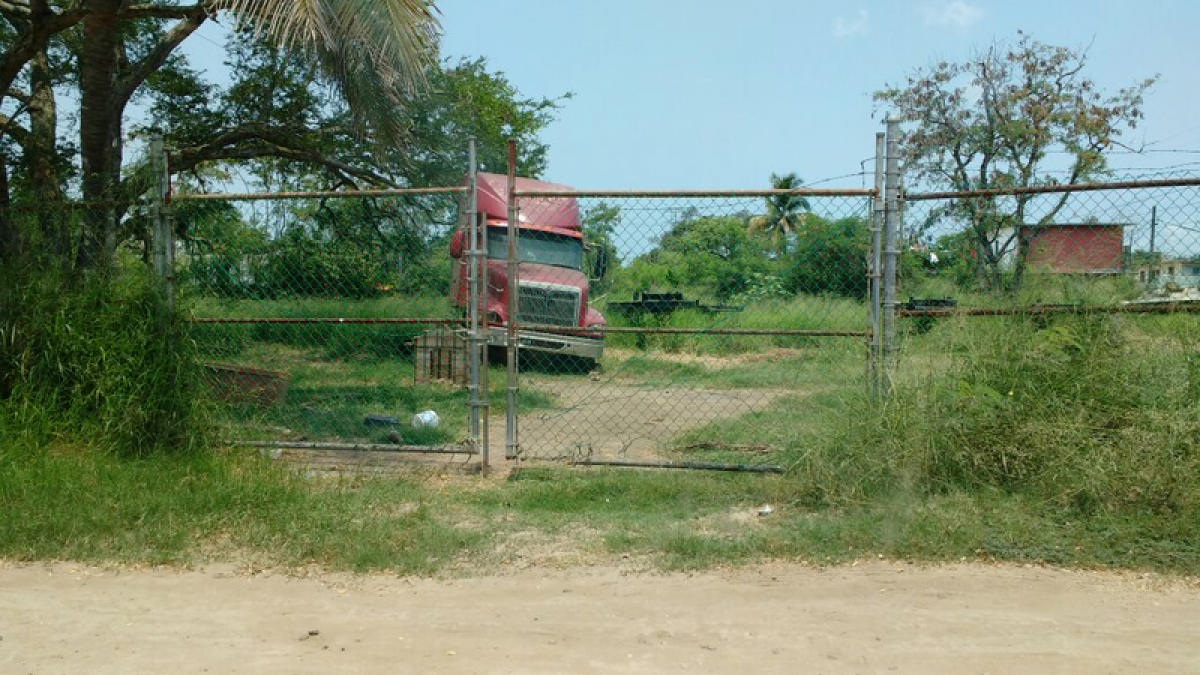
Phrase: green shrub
(1085, 412)
(100, 360)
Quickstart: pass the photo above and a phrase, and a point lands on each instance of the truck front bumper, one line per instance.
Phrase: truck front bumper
(550, 343)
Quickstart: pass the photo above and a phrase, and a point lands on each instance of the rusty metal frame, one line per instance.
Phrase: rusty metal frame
(315, 194)
(685, 194)
(1182, 307)
(612, 330)
(1054, 189)
(326, 320)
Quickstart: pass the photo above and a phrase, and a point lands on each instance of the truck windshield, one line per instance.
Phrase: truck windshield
(537, 247)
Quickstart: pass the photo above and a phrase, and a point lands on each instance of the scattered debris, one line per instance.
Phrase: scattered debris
(381, 421)
(757, 448)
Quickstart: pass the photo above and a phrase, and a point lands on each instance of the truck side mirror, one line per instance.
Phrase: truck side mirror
(456, 243)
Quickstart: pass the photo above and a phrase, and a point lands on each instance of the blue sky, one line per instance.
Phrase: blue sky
(707, 94)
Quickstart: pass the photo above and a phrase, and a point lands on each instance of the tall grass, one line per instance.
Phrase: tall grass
(100, 360)
(1086, 413)
(337, 340)
(802, 312)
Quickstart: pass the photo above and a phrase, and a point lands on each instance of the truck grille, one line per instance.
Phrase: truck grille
(548, 304)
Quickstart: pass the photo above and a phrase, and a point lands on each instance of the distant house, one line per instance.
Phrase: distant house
(1180, 272)
(1071, 248)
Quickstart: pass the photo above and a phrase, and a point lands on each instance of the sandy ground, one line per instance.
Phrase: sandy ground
(870, 618)
(611, 420)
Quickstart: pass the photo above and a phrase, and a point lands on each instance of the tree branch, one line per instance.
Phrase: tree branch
(18, 133)
(33, 40)
(14, 9)
(252, 141)
(158, 55)
(163, 11)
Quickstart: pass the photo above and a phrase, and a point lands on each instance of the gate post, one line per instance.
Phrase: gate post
(476, 333)
(162, 237)
(875, 349)
(891, 228)
(512, 446)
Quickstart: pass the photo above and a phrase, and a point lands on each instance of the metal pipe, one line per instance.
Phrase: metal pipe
(1183, 306)
(485, 327)
(876, 272)
(702, 466)
(381, 447)
(1153, 226)
(1055, 189)
(326, 320)
(512, 447)
(316, 194)
(799, 192)
(470, 232)
(607, 330)
(891, 227)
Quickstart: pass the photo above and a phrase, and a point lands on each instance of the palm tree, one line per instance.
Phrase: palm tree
(785, 215)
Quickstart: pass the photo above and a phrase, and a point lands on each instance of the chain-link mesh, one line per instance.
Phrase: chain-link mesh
(644, 322)
(1127, 248)
(1137, 243)
(327, 318)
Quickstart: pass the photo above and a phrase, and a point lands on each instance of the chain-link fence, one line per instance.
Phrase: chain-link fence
(327, 318)
(1028, 262)
(646, 321)
(638, 327)
(1121, 244)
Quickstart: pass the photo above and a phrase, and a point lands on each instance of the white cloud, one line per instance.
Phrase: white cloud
(953, 14)
(859, 25)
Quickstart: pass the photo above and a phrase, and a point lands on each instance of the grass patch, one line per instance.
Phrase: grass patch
(328, 399)
(1072, 441)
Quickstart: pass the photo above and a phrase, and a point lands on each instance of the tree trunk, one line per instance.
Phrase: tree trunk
(42, 157)
(1024, 243)
(99, 131)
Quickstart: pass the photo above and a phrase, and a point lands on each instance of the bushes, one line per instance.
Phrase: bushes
(1088, 413)
(830, 257)
(100, 361)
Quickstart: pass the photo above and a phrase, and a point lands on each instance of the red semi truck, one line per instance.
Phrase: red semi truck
(552, 285)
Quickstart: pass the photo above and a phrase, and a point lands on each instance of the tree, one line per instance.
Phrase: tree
(600, 253)
(831, 258)
(993, 121)
(785, 213)
(711, 255)
(375, 52)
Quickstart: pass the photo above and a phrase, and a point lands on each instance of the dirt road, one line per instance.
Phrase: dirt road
(871, 618)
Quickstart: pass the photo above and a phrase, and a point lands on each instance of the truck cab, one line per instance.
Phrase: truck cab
(552, 285)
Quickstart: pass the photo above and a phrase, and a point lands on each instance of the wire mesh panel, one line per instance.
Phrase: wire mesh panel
(1103, 244)
(646, 325)
(1125, 254)
(314, 313)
